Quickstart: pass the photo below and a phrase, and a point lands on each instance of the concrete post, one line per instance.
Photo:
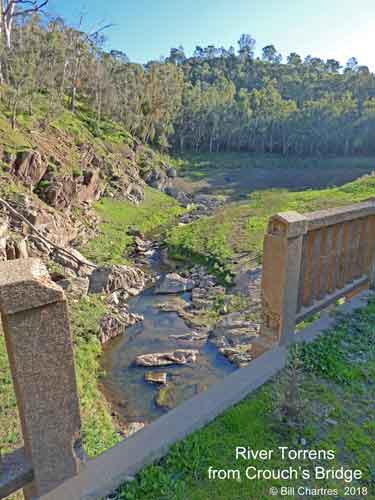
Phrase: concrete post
(39, 344)
(282, 255)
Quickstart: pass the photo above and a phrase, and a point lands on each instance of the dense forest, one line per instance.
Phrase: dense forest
(216, 100)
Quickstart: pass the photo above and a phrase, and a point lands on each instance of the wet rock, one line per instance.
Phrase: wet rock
(239, 356)
(178, 357)
(156, 377)
(174, 283)
(111, 278)
(166, 397)
(190, 337)
(173, 304)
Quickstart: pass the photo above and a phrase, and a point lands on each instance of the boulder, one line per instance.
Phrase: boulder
(156, 377)
(61, 193)
(157, 179)
(111, 278)
(174, 283)
(89, 186)
(29, 167)
(171, 172)
(239, 355)
(178, 357)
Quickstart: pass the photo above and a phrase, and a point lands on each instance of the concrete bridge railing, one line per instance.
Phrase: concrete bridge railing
(35, 323)
(312, 260)
(309, 262)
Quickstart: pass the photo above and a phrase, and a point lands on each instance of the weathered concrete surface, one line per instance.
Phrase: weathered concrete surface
(15, 472)
(280, 279)
(40, 350)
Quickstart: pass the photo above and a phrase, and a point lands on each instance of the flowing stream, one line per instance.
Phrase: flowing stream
(124, 383)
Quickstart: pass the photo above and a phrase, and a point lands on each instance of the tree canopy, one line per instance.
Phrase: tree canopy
(216, 100)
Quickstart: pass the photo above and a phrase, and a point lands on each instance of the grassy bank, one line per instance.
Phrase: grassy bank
(112, 243)
(323, 400)
(238, 228)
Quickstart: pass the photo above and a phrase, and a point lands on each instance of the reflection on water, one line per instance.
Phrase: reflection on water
(124, 383)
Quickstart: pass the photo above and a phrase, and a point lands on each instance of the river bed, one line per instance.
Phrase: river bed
(124, 384)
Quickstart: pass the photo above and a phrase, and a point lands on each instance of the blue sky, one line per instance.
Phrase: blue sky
(146, 29)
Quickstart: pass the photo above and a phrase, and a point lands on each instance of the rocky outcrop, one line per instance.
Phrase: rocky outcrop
(29, 167)
(111, 278)
(89, 186)
(113, 325)
(157, 178)
(178, 357)
(60, 193)
(174, 283)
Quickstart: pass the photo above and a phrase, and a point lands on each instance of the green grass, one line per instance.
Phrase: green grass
(112, 244)
(99, 433)
(196, 165)
(337, 415)
(238, 228)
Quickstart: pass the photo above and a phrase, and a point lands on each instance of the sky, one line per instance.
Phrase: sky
(147, 29)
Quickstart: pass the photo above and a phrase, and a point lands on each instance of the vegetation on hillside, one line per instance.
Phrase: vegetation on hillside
(329, 411)
(113, 243)
(218, 99)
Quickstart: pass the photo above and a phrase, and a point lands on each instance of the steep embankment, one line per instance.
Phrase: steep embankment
(50, 174)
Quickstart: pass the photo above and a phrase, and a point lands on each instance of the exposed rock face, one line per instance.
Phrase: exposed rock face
(178, 357)
(157, 179)
(71, 266)
(61, 193)
(113, 325)
(174, 283)
(12, 246)
(111, 278)
(89, 186)
(29, 167)
(125, 182)
(180, 196)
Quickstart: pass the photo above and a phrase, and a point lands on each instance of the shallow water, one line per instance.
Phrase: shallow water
(124, 383)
